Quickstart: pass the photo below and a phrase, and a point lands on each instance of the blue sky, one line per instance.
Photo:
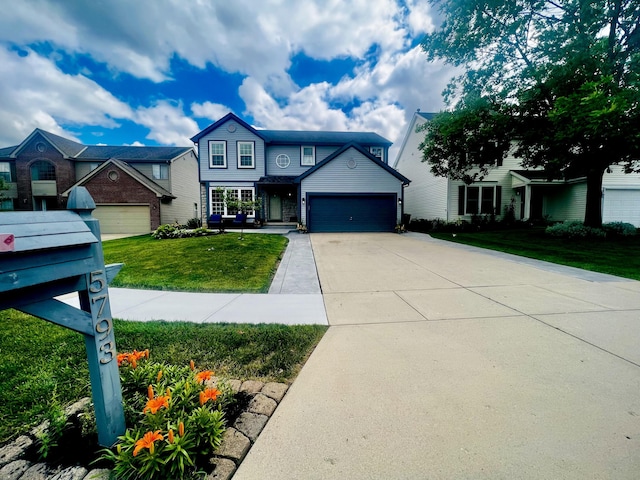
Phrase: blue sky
(156, 73)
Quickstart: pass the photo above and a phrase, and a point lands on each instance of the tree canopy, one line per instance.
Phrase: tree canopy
(560, 80)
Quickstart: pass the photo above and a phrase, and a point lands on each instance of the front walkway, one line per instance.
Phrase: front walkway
(448, 363)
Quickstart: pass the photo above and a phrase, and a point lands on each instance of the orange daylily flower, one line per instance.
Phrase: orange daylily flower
(147, 441)
(202, 377)
(122, 357)
(155, 404)
(209, 394)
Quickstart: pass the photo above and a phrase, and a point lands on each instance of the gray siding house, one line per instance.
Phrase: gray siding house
(327, 181)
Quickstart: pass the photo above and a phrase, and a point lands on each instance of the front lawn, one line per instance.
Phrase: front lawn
(216, 263)
(42, 364)
(619, 257)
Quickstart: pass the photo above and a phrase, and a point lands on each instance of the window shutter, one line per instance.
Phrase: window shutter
(498, 199)
(461, 189)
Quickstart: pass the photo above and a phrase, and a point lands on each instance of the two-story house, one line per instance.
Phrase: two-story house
(508, 185)
(327, 181)
(136, 189)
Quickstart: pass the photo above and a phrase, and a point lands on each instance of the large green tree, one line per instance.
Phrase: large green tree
(558, 79)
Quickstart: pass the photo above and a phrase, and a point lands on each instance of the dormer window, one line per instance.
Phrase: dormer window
(308, 156)
(377, 152)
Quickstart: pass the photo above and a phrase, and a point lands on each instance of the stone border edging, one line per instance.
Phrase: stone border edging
(236, 441)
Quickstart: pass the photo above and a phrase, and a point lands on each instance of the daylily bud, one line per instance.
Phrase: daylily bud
(170, 436)
(192, 365)
(159, 376)
(181, 429)
(134, 363)
(150, 393)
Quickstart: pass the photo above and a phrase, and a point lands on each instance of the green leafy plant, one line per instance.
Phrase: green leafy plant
(177, 231)
(574, 229)
(619, 229)
(55, 424)
(176, 419)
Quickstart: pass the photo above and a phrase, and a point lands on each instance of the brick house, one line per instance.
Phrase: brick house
(136, 189)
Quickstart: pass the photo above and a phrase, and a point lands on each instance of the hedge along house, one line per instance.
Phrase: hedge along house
(136, 189)
(327, 181)
(529, 193)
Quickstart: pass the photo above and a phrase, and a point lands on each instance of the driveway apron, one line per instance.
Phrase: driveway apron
(444, 362)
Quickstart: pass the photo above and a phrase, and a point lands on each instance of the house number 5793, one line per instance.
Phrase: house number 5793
(103, 326)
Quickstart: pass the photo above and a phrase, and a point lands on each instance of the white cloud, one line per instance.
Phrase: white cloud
(167, 123)
(209, 110)
(43, 96)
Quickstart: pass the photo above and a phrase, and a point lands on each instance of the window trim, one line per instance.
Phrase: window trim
(253, 154)
(225, 211)
(160, 165)
(9, 172)
(313, 156)
(463, 199)
(381, 157)
(50, 165)
(224, 153)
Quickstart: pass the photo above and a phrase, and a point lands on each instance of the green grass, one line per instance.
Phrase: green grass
(41, 362)
(217, 263)
(619, 257)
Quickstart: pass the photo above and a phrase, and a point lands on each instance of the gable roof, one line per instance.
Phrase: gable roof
(426, 115)
(411, 129)
(357, 147)
(300, 137)
(132, 172)
(77, 151)
(223, 120)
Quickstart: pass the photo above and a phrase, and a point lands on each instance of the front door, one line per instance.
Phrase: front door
(275, 208)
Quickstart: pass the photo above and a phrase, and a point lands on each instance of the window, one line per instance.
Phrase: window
(246, 157)
(245, 194)
(160, 172)
(377, 152)
(42, 170)
(93, 166)
(217, 154)
(485, 200)
(308, 156)
(5, 171)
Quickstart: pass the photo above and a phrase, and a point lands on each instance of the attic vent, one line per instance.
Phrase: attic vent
(113, 175)
(352, 163)
(40, 147)
(283, 161)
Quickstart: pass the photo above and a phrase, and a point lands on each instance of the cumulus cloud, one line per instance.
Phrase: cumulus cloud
(41, 95)
(167, 123)
(209, 110)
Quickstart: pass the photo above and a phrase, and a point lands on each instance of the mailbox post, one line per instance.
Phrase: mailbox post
(47, 254)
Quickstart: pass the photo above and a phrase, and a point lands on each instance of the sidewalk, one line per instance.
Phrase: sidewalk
(294, 297)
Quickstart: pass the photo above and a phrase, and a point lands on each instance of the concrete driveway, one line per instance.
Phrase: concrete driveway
(444, 362)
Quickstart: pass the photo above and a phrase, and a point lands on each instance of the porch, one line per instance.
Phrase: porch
(279, 196)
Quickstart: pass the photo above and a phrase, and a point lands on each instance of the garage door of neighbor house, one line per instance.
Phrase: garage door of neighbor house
(351, 213)
(123, 218)
(621, 206)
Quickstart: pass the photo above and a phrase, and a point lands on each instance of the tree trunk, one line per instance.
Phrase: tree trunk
(593, 211)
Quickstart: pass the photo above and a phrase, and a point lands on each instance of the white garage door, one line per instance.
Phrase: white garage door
(123, 218)
(621, 206)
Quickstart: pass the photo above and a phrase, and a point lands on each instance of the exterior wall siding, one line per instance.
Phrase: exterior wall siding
(183, 174)
(426, 195)
(147, 170)
(232, 172)
(337, 177)
(617, 178)
(566, 203)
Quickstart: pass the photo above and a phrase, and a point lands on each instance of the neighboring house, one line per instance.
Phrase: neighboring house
(327, 181)
(136, 189)
(508, 185)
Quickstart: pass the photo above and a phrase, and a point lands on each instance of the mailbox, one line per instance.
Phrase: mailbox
(47, 254)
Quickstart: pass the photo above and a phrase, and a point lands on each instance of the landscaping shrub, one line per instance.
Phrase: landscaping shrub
(619, 229)
(193, 223)
(175, 419)
(178, 231)
(574, 229)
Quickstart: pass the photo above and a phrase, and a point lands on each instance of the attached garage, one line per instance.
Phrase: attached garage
(352, 213)
(621, 205)
(123, 218)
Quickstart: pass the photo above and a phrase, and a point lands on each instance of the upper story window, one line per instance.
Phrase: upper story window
(43, 170)
(246, 155)
(217, 154)
(377, 152)
(160, 171)
(93, 166)
(308, 156)
(5, 171)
